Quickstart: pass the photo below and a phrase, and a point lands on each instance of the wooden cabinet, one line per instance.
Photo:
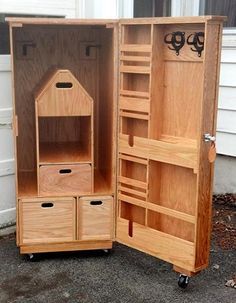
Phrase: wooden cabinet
(120, 117)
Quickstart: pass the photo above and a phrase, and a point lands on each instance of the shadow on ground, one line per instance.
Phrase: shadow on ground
(125, 275)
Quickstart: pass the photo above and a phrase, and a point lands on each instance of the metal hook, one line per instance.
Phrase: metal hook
(177, 41)
(198, 45)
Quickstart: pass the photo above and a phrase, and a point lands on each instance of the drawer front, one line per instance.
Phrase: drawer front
(95, 218)
(65, 179)
(47, 221)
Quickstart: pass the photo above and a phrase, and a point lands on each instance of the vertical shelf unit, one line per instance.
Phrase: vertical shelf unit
(164, 101)
(114, 145)
(64, 135)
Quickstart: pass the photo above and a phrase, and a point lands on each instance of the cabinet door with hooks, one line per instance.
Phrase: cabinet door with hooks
(167, 103)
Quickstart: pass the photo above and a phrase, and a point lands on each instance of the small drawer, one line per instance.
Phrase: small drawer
(95, 218)
(47, 220)
(65, 179)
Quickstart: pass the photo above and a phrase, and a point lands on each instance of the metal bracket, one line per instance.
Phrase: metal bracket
(87, 49)
(208, 138)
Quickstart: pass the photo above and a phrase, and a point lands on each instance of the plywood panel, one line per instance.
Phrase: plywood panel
(181, 106)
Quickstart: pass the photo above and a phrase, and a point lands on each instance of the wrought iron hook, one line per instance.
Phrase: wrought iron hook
(197, 43)
(177, 41)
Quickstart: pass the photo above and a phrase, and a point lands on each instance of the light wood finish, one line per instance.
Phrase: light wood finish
(95, 218)
(155, 207)
(158, 244)
(208, 125)
(166, 104)
(172, 153)
(63, 153)
(47, 221)
(140, 105)
(65, 179)
(167, 199)
(63, 101)
(27, 184)
(66, 246)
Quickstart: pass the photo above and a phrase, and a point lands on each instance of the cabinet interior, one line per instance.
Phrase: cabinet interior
(88, 53)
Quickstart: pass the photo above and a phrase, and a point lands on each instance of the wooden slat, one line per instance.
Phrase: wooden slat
(177, 154)
(166, 247)
(158, 208)
(141, 105)
(135, 69)
(134, 116)
(133, 159)
(135, 58)
(134, 93)
(132, 191)
(132, 182)
(145, 48)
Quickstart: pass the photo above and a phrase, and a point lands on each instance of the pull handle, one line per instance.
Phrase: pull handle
(96, 202)
(65, 171)
(64, 85)
(208, 138)
(47, 205)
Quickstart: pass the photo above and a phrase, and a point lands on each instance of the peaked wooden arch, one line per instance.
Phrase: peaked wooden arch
(61, 94)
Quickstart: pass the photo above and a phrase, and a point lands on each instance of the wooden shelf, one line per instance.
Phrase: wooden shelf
(27, 184)
(63, 153)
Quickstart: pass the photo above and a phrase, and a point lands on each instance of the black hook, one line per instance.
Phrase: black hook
(177, 41)
(196, 42)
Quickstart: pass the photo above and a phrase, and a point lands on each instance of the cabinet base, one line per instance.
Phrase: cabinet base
(70, 246)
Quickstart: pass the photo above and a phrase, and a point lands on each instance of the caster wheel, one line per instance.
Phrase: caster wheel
(183, 281)
(107, 251)
(32, 257)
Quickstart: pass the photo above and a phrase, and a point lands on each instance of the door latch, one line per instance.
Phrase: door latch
(209, 138)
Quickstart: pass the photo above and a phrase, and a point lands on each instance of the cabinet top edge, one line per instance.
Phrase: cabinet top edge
(104, 22)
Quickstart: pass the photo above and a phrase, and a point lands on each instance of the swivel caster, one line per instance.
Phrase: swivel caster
(183, 281)
(32, 257)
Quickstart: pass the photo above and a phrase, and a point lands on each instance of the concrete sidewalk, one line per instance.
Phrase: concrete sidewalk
(125, 275)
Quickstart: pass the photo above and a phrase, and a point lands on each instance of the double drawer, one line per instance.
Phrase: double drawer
(65, 179)
(56, 220)
(47, 220)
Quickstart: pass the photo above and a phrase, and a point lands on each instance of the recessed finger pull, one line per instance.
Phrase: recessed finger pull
(47, 205)
(176, 40)
(96, 203)
(65, 171)
(196, 40)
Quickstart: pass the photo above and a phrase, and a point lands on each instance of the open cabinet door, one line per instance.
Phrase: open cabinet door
(168, 99)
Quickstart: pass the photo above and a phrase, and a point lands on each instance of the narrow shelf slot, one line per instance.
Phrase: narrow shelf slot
(63, 153)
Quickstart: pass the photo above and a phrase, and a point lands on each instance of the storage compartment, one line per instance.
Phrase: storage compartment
(95, 218)
(47, 220)
(74, 120)
(65, 179)
(132, 213)
(65, 140)
(170, 225)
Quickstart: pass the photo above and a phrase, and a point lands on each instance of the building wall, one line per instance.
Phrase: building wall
(39, 7)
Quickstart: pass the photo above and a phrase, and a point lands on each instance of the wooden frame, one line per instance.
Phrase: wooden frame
(167, 103)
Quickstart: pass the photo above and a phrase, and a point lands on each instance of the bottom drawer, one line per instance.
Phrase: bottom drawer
(95, 218)
(47, 220)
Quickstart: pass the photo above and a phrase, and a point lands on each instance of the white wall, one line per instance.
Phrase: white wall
(226, 124)
(39, 7)
(104, 9)
(7, 182)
